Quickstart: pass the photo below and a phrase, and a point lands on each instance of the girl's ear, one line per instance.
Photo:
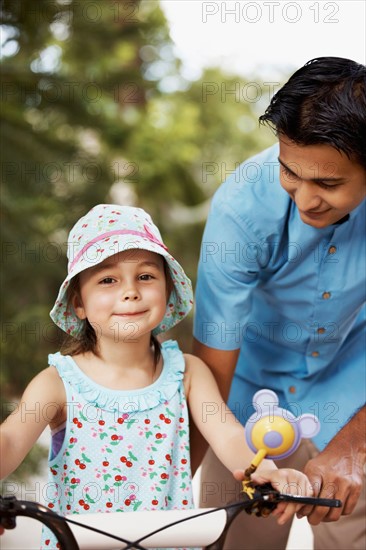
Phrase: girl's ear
(78, 306)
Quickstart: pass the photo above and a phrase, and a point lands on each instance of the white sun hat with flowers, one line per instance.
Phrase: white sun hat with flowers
(108, 229)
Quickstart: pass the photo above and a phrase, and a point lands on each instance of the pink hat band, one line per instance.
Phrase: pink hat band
(144, 234)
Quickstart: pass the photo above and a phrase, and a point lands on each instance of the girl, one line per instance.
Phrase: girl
(114, 397)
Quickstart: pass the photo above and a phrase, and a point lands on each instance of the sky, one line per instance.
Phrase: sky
(267, 38)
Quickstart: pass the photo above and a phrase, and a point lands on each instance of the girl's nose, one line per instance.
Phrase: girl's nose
(130, 294)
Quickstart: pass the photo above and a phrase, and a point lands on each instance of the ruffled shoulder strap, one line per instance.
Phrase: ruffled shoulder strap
(59, 361)
(162, 390)
(173, 358)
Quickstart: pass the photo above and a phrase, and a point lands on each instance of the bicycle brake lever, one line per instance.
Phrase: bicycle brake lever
(265, 500)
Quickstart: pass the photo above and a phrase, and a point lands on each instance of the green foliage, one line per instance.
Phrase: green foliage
(95, 109)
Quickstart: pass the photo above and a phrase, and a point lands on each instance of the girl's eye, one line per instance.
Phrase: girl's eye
(107, 281)
(145, 277)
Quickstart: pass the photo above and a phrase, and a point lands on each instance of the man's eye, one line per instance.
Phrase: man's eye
(288, 173)
(326, 186)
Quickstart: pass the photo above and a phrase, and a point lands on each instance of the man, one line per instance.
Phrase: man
(280, 298)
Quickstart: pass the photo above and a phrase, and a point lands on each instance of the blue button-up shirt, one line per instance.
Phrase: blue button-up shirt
(290, 296)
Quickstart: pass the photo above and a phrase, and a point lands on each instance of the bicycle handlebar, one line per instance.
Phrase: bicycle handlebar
(262, 502)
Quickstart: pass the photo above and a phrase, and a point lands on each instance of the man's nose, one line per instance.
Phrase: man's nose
(306, 196)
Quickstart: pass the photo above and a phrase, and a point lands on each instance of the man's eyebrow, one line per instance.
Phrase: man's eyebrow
(285, 166)
(316, 180)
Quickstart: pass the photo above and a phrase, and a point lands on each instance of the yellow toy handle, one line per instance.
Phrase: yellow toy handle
(261, 454)
(252, 468)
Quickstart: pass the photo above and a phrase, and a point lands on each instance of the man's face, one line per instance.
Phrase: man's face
(323, 182)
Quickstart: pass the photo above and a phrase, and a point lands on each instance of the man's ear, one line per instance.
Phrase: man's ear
(78, 306)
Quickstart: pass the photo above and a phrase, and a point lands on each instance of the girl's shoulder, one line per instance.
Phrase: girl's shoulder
(192, 362)
(45, 392)
(46, 383)
(196, 371)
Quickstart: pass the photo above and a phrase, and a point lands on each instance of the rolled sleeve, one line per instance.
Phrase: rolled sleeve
(227, 274)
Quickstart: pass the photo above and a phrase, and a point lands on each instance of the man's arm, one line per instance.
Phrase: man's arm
(338, 471)
(222, 365)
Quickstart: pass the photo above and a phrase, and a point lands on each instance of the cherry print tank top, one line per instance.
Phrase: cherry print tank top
(120, 450)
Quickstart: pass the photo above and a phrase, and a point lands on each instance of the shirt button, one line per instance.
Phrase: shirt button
(315, 354)
(326, 295)
(332, 250)
(321, 330)
(292, 389)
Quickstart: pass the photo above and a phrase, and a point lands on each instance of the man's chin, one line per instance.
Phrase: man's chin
(319, 221)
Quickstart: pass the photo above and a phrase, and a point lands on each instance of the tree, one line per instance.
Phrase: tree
(95, 110)
(73, 93)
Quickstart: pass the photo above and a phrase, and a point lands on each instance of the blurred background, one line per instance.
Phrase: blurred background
(143, 103)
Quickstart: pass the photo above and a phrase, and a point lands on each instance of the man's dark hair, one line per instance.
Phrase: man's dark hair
(324, 102)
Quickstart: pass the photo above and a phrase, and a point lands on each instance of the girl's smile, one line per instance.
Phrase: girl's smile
(126, 313)
(130, 313)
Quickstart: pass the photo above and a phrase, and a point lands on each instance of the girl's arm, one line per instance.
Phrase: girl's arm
(42, 403)
(224, 433)
(222, 365)
(226, 436)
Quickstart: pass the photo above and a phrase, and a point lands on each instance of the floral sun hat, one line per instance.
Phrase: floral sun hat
(104, 231)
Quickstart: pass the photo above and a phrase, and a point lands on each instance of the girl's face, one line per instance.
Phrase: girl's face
(125, 296)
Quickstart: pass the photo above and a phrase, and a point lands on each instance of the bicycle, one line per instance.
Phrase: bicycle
(162, 528)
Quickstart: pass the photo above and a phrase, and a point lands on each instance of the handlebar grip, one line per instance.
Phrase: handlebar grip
(264, 499)
(314, 501)
(10, 508)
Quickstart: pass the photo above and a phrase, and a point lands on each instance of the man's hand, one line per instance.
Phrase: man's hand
(338, 472)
